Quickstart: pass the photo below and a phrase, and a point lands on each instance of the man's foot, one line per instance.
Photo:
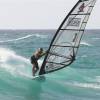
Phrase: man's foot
(33, 74)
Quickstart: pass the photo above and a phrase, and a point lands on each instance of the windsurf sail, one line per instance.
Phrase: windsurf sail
(65, 43)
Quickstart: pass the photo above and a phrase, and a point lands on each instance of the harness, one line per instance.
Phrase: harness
(33, 59)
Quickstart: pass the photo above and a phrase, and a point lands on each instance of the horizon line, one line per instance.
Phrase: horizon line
(48, 29)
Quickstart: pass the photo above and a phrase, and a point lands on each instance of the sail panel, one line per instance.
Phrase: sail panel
(69, 39)
(65, 43)
(83, 7)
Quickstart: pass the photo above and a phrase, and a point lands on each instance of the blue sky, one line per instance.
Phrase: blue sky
(40, 14)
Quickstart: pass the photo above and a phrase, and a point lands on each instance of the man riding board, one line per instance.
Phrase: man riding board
(34, 60)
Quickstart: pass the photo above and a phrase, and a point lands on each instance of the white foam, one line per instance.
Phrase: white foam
(6, 54)
(96, 38)
(85, 43)
(84, 85)
(40, 35)
(25, 37)
(15, 64)
(21, 38)
(87, 85)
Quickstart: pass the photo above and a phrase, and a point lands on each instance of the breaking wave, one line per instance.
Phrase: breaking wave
(25, 37)
(85, 43)
(96, 38)
(87, 85)
(14, 63)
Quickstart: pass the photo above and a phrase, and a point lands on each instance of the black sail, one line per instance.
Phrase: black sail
(65, 43)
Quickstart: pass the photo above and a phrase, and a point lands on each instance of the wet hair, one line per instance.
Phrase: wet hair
(41, 49)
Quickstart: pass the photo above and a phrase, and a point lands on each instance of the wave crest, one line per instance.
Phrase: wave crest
(85, 43)
(25, 37)
(13, 63)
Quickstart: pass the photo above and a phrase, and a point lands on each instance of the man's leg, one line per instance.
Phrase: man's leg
(33, 70)
(37, 67)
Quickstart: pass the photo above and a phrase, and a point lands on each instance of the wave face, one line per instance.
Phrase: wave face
(79, 81)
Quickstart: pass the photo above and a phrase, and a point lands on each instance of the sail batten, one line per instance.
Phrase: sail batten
(57, 63)
(81, 14)
(65, 46)
(65, 43)
(74, 29)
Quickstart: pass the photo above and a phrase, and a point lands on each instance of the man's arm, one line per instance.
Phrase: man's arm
(44, 53)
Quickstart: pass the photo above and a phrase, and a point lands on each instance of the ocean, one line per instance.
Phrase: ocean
(79, 81)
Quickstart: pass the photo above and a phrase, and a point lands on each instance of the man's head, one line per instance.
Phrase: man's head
(40, 50)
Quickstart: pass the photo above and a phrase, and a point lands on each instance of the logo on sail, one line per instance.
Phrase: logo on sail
(81, 8)
(74, 22)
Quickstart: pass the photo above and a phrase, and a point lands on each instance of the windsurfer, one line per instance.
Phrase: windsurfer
(34, 60)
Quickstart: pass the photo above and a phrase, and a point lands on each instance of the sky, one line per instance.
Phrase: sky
(40, 14)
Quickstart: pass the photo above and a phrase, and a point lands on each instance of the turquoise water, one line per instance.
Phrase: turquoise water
(79, 81)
